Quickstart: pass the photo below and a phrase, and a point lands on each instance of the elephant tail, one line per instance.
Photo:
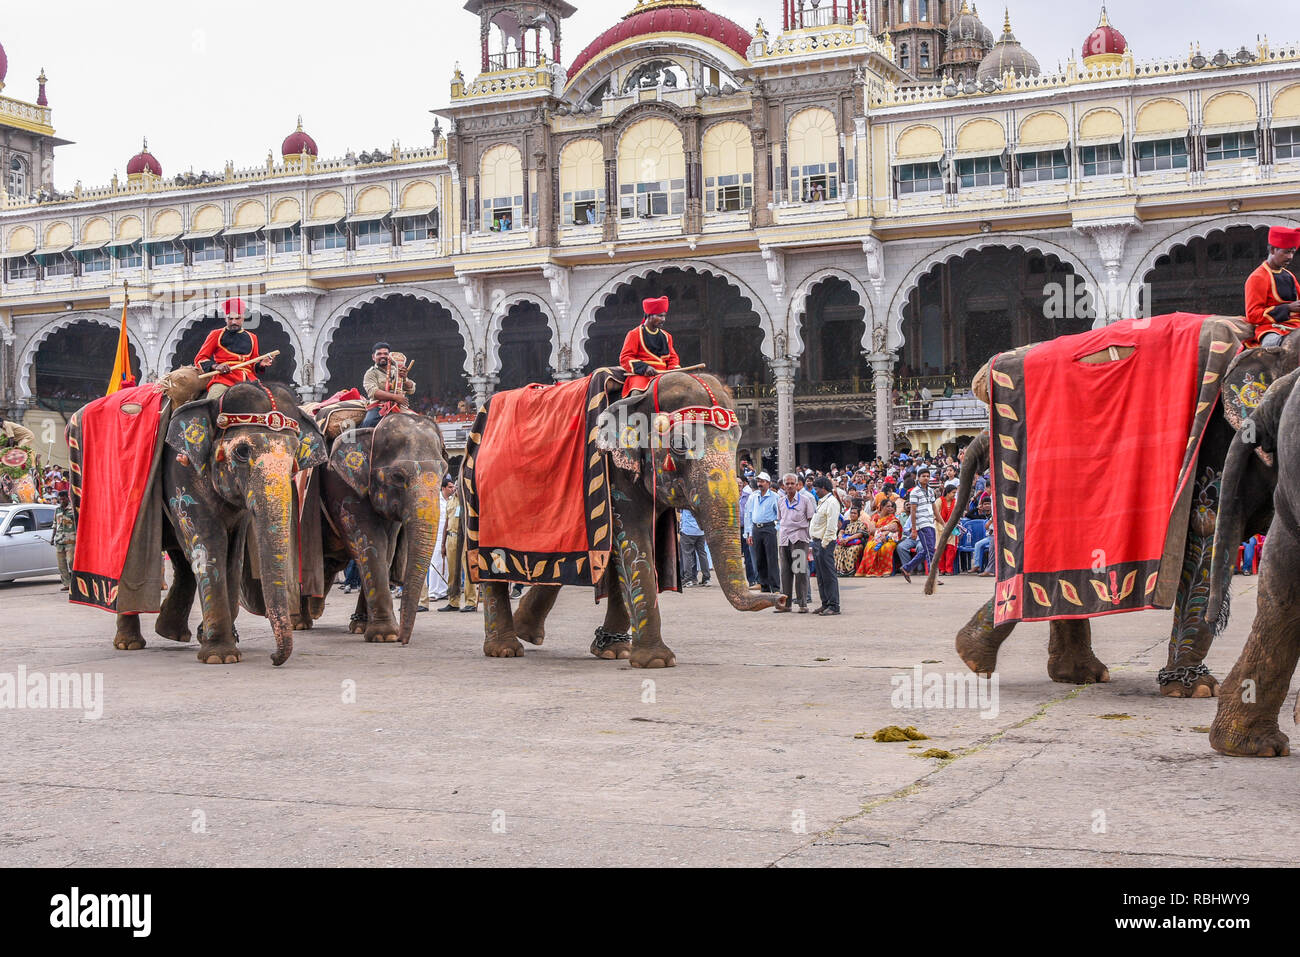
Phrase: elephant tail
(975, 461)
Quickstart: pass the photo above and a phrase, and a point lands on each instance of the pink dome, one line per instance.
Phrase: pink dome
(4, 64)
(297, 143)
(1105, 40)
(143, 162)
(689, 17)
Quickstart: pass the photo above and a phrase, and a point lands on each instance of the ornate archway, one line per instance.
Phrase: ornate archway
(71, 363)
(710, 320)
(520, 344)
(97, 359)
(1206, 274)
(424, 331)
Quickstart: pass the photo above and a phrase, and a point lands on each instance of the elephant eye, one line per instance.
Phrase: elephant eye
(241, 453)
(398, 477)
(679, 442)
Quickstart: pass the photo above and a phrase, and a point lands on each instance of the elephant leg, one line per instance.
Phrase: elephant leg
(498, 622)
(530, 616)
(174, 619)
(979, 640)
(639, 583)
(216, 593)
(1069, 654)
(1252, 695)
(1185, 674)
(360, 614)
(128, 637)
(613, 641)
(369, 545)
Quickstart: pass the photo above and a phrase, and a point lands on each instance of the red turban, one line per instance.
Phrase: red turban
(1280, 237)
(655, 307)
(233, 307)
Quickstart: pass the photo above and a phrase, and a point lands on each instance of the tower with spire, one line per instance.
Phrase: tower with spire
(918, 31)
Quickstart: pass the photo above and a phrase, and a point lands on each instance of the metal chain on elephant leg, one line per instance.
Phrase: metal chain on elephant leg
(606, 638)
(1192, 635)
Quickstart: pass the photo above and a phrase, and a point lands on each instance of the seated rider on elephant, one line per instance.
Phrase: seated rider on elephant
(648, 349)
(385, 385)
(1272, 292)
(227, 347)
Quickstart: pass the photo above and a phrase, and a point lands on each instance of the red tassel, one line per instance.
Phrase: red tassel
(669, 464)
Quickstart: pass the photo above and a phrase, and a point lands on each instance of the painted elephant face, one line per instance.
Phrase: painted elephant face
(398, 465)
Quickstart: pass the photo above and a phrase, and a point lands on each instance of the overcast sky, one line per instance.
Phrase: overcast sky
(216, 81)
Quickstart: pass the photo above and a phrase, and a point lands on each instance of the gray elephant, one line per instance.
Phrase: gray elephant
(231, 465)
(381, 504)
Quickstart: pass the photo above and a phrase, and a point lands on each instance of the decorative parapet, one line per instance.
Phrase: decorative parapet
(26, 114)
(396, 156)
(1074, 74)
(816, 41)
(543, 78)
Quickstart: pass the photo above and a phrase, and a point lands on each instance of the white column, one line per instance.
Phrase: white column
(882, 368)
(483, 385)
(784, 370)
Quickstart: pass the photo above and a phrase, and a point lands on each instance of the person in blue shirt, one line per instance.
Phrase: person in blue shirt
(760, 533)
(695, 553)
(745, 551)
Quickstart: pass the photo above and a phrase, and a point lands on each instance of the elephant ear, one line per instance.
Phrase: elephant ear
(350, 459)
(312, 450)
(191, 433)
(1248, 378)
(623, 428)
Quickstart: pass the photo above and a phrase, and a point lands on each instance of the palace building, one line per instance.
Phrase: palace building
(848, 202)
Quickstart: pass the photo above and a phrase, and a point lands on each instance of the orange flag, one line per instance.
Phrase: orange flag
(121, 378)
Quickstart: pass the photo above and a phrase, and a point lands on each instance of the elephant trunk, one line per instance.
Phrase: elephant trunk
(421, 531)
(720, 522)
(975, 461)
(272, 506)
(1229, 526)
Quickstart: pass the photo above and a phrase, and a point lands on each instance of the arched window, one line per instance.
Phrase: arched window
(925, 56)
(651, 171)
(813, 147)
(582, 183)
(904, 56)
(728, 155)
(923, 9)
(501, 189)
(16, 181)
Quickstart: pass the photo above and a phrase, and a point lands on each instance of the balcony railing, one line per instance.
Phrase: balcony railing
(513, 60)
(805, 15)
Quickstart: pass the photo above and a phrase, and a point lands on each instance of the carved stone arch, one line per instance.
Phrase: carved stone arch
(492, 336)
(325, 336)
(586, 315)
(27, 354)
(710, 53)
(657, 110)
(799, 302)
(171, 340)
(1201, 230)
(894, 314)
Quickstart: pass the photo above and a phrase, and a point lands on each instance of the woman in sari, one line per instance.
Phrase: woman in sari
(943, 509)
(878, 557)
(849, 544)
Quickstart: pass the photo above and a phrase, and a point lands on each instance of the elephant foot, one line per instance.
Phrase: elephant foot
(532, 637)
(300, 623)
(655, 656)
(611, 645)
(128, 641)
(381, 632)
(503, 648)
(220, 653)
(356, 626)
(1246, 739)
(1203, 685)
(172, 631)
(1084, 671)
(978, 650)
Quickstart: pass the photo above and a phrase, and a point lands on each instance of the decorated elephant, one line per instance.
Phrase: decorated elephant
(1246, 724)
(230, 464)
(562, 486)
(381, 502)
(1191, 396)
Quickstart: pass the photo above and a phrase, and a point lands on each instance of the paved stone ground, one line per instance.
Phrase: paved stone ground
(745, 754)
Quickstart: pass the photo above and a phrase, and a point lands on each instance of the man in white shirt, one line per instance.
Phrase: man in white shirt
(824, 527)
(920, 507)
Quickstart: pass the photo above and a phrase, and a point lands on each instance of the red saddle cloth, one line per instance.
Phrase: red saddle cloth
(1090, 463)
(115, 442)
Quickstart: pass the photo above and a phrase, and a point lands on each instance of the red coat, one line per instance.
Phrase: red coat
(1262, 296)
(213, 351)
(635, 350)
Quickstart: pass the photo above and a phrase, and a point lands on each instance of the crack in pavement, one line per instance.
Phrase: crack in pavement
(1048, 847)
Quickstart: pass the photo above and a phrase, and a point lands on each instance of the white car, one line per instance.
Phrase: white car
(27, 542)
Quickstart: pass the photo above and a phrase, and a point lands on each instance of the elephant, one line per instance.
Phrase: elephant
(696, 470)
(1070, 657)
(381, 498)
(233, 467)
(1246, 723)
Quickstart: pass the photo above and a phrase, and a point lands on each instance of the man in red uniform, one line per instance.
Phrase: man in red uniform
(1272, 291)
(229, 346)
(648, 349)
